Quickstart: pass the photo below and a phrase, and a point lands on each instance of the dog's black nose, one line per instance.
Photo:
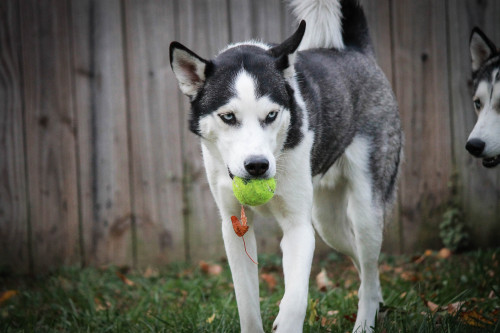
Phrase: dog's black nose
(475, 146)
(256, 165)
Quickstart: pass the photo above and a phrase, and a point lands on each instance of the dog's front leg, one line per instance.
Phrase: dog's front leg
(298, 248)
(245, 274)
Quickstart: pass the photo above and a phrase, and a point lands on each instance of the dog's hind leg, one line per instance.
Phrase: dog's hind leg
(366, 216)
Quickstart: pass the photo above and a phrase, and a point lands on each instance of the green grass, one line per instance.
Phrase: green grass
(181, 298)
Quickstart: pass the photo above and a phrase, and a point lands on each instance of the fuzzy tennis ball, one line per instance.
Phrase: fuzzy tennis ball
(253, 192)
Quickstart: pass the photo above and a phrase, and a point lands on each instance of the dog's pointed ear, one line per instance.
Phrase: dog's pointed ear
(285, 52)
(481, 48)
(189, 69)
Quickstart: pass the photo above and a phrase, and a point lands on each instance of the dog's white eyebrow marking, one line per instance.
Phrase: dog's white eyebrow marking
(244, 86)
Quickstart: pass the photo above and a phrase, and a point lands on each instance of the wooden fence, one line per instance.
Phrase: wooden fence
(97, 165)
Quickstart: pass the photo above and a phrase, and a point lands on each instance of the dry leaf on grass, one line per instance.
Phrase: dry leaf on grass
(7, 295)
(211, 318)
(125, 279)
(210, 269)
(269, 280)
(444, 253)
(322, 281)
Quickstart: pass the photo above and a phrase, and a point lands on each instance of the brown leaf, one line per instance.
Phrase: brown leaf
(125, 279)
(150, 272)
(322, 281)
(432, 306)
(453, 308)
(444, 253)
(210, 269)
(475, 318)
(99, 306)
(270, 280)
(7, 294)
(351, 317)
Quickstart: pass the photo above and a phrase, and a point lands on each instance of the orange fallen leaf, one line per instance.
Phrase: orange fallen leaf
(444, 253)
(270, 280)
(475, 318)
(125, 280)
(7, 295)
(322, 281)
(210, 269)
(432, 306)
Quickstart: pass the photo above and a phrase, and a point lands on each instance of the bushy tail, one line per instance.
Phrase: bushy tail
(332, 24)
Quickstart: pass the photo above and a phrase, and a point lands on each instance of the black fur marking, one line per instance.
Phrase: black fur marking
(259, 63)
(484, 72)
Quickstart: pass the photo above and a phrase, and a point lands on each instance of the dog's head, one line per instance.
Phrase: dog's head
(484, 140)
(242, 102)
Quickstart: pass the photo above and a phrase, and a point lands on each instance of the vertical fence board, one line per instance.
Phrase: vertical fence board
(203, 28)
(13, 197)
(50, 133)
(479, 186)
(421, 87)
(154, 111)
(102, 131)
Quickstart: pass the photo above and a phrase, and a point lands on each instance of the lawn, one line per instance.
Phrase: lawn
(430, 292)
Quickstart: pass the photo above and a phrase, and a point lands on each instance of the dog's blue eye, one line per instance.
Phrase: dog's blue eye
(477, 104)
(228, 118)
(271, 116)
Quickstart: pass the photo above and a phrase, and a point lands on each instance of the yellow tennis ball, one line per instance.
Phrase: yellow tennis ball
(253, 192)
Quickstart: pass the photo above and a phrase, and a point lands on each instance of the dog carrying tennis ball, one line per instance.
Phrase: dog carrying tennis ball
(253, 192)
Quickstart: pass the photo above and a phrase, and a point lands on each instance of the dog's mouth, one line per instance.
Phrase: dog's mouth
(230, 173)
(491, 162)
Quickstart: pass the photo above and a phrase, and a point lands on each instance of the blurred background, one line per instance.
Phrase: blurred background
(97, 165)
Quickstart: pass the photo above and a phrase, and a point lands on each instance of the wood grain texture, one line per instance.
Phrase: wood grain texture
(154, 129)
(50, 133)
(203, 27)
(479, 187)
(14, 255)
(100, 98)
(421, 86)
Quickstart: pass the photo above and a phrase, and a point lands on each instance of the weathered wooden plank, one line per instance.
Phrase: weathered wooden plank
(154, 129)
(50, 132)
(203, 27)
(102, 131)
(420, 75)
(480, 195)
(14, 255)
(240, 16)
(266, 21)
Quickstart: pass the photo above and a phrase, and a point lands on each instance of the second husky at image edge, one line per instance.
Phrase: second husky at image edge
(316, 113)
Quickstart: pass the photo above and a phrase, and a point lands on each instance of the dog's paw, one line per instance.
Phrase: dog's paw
(288, 324)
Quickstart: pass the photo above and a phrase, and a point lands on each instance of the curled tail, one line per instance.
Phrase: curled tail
(333, 24)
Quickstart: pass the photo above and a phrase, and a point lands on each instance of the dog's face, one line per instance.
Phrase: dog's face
(241, 102)
(484, 140)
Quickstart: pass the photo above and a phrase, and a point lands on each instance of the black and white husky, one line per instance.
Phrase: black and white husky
(484, 140)
(318, 114)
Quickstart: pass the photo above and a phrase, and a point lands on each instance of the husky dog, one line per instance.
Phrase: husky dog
(318, 114)
(484, 140)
